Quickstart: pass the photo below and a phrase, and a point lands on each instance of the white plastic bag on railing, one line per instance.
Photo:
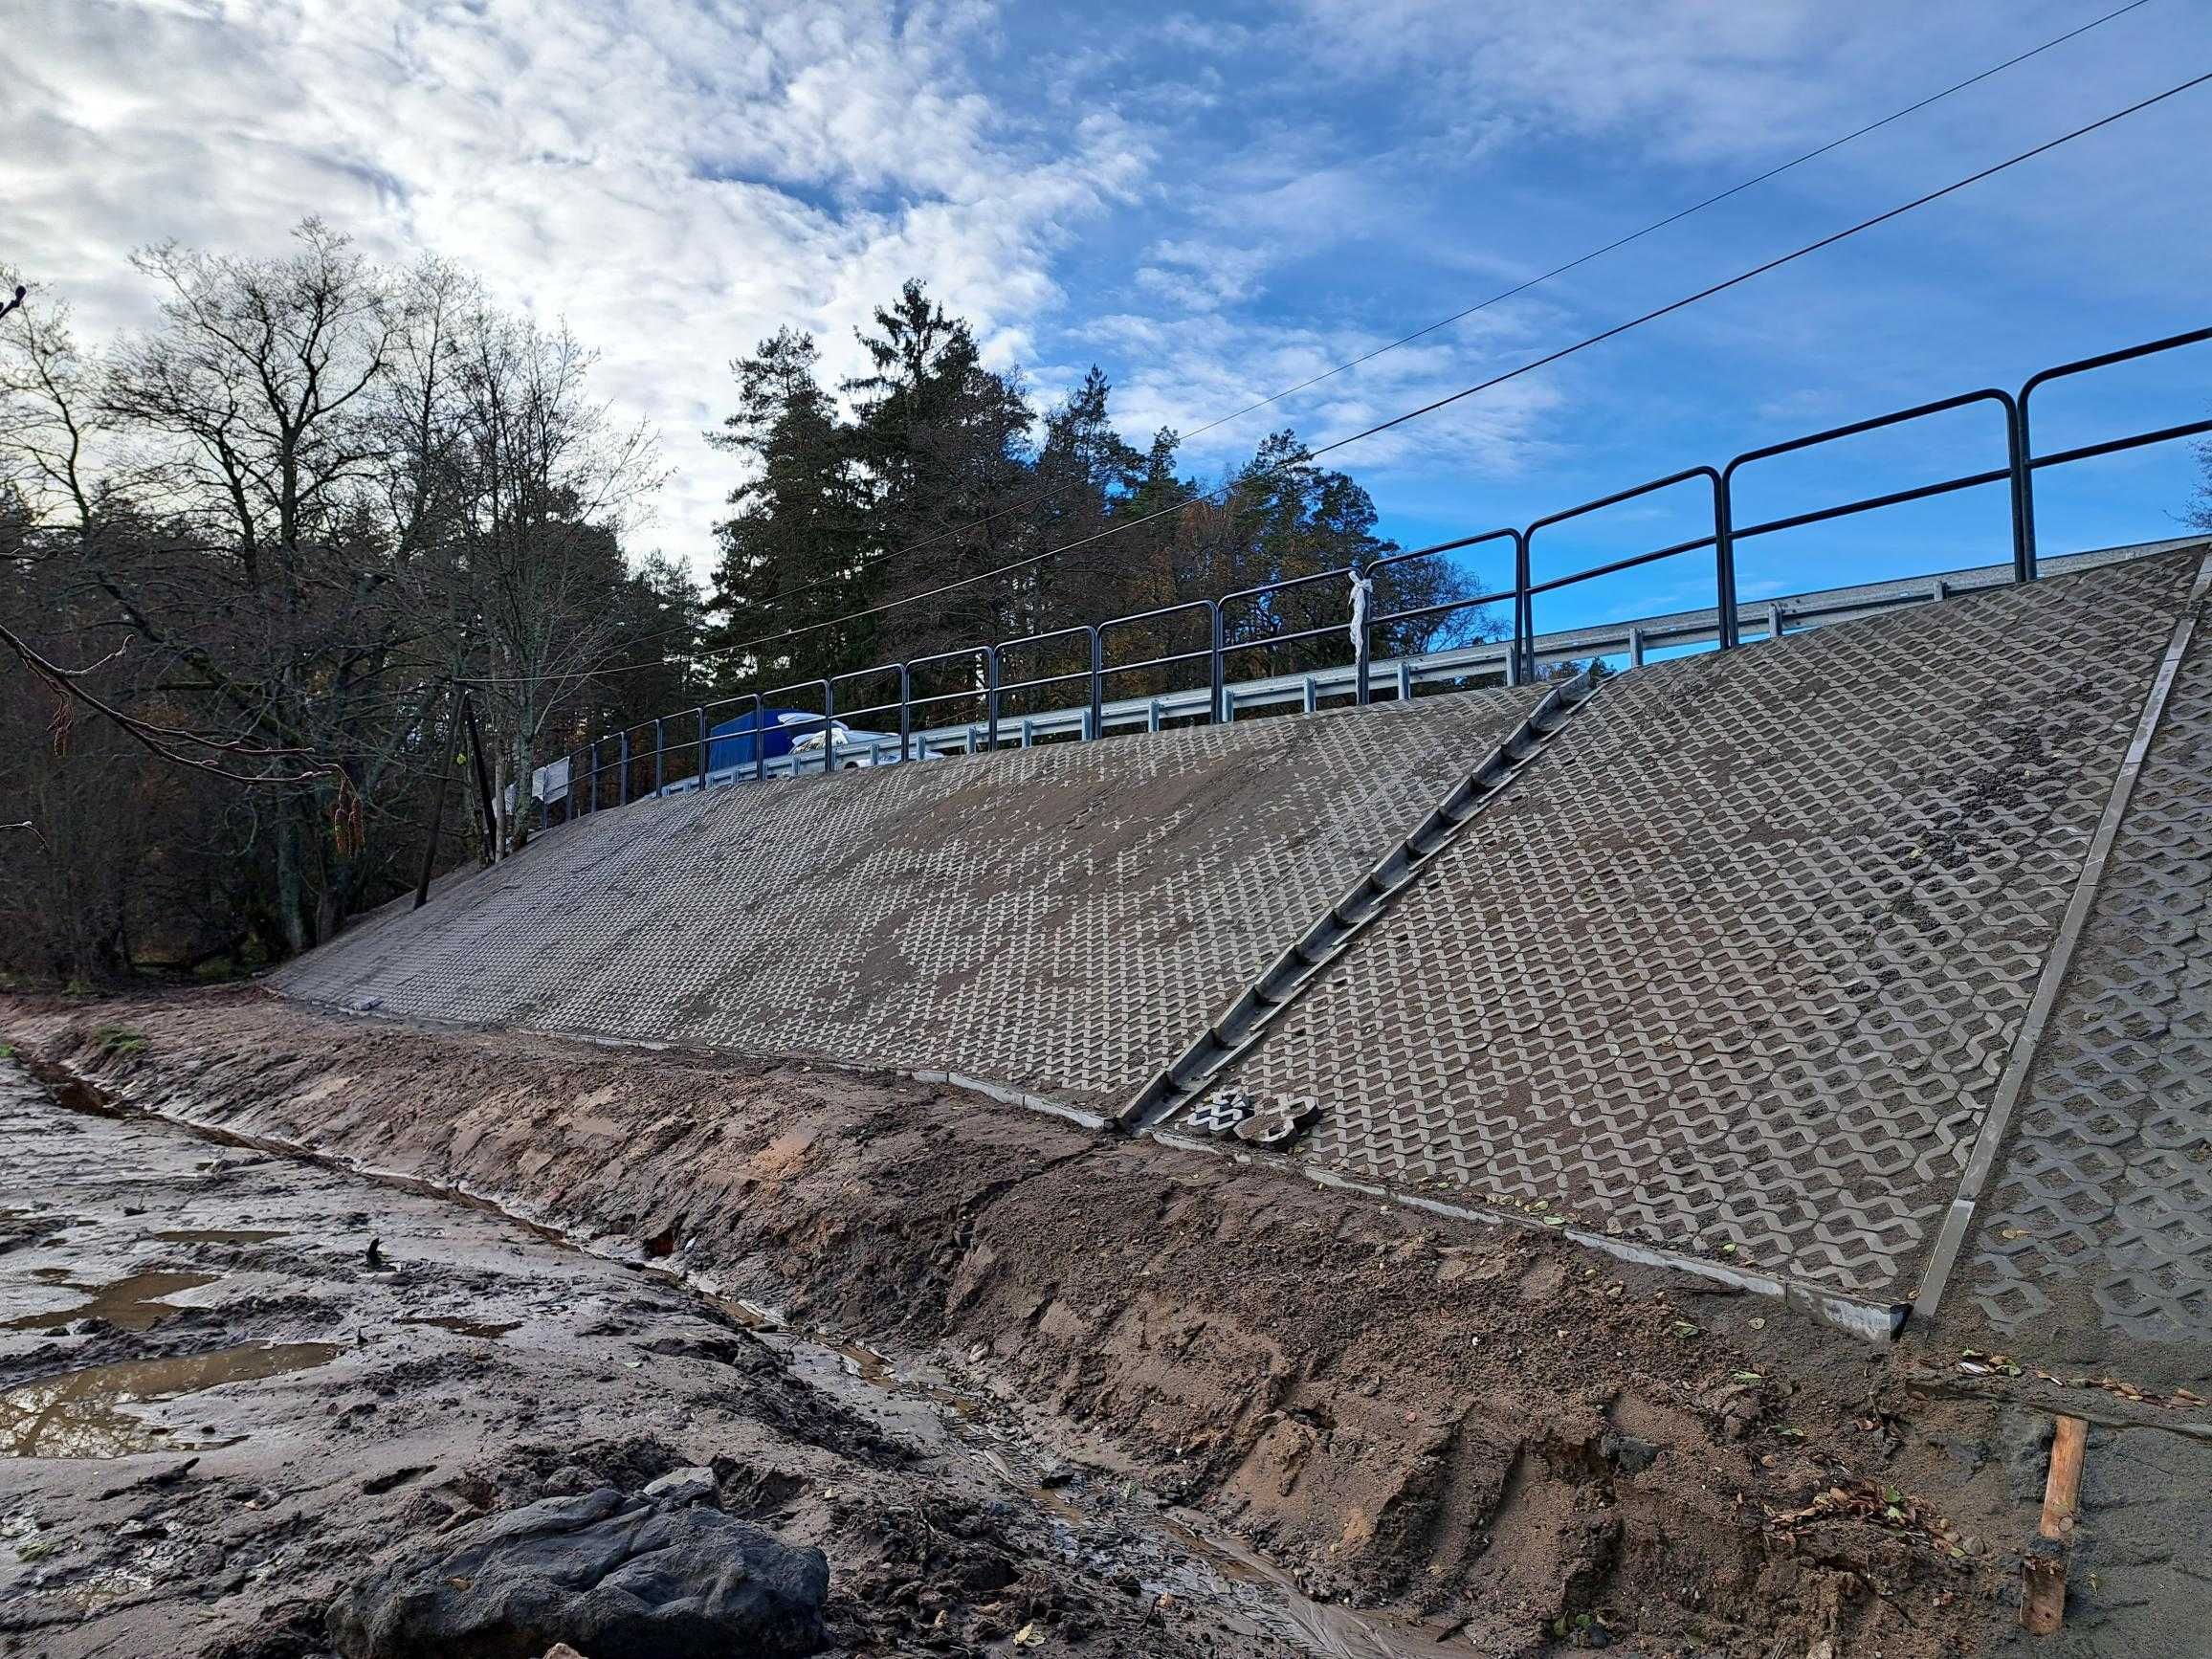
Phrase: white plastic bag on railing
(1361, 585)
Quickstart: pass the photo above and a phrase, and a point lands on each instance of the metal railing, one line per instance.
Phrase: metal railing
(591, 786)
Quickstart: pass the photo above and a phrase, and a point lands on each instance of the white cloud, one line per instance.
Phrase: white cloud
(1204, 364)
(1688, 79)
(679, 179)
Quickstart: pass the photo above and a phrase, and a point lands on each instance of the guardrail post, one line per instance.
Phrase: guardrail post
(760, 740)
(905, 714)
(991, 697)
(701, 714)
(622, 778)
(1524, 665)
(1724, 562)
(1097, 687)
(594, 775)
(659, 753)
(1213, 665)
(828, 728)
(2023, 488)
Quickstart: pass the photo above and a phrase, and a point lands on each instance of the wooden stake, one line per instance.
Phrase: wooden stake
(2062, 1489)
(2042, 1589)
(2043, 1570)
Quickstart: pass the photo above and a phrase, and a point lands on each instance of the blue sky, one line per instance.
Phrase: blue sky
(1215, 204)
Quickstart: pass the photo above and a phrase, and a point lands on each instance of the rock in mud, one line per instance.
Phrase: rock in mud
(613, 1575)
(682, 1486)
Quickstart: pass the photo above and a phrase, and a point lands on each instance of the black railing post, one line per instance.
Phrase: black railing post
(828, 728)
(1213, 666)
(905, 714)
(760, 740)
(990, 699)
(1097, 687)
(1724, 561)
(594, 775)
(701, 715)
(622, 760)
(1524, 614)
(659, 753)
(2020, 459)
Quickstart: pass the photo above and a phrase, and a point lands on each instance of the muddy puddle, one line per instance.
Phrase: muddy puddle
(133, 1303)
(220, 1235)
(83, 1414)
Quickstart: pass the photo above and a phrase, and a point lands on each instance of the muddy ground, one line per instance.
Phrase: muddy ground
(1129, 1398)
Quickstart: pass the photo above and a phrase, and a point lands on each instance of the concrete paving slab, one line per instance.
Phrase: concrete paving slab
(1737, 967)
(1049, 919)
(2093, 1241)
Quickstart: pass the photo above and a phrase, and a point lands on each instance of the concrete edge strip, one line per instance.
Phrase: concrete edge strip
(1247, 1020)
(1003, 1094)
(1951, 1239)
(1871, 1321)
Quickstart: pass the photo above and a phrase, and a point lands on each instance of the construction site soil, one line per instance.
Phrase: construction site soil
(1028, 1388)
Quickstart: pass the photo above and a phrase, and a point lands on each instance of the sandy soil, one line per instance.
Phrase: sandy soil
(1487, 1439)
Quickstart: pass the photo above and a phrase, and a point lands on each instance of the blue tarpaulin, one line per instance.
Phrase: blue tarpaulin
(732, 743)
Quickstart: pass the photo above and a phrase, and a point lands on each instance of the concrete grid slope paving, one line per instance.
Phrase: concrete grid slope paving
(1052, 918)
(2094, 1237)
(1736, 968)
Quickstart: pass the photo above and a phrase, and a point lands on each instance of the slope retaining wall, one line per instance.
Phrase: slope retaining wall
(1733, 969)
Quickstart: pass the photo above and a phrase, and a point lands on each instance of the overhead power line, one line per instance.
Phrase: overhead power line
(1431, 406)
(876, 560)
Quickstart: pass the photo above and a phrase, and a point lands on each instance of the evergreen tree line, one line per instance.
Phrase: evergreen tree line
(902, 485)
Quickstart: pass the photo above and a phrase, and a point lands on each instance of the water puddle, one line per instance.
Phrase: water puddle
(220, 1235)
(491, 1330)
(80, 1414)
(129, 1304)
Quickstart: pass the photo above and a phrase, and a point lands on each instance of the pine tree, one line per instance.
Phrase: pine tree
(944, 445)
(793, 552)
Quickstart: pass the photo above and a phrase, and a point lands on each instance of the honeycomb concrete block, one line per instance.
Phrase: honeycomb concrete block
(1736, 968)
(1051, 920)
